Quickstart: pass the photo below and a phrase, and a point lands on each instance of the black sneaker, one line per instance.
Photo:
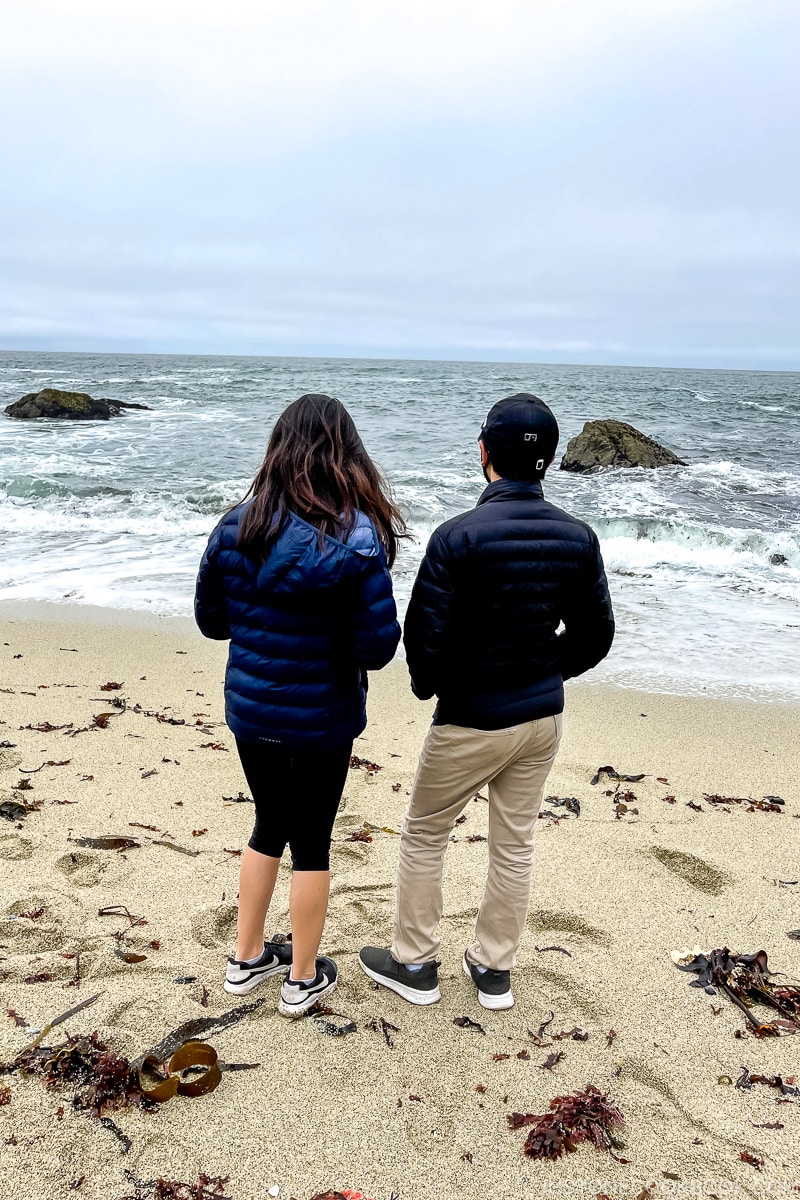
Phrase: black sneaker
(494, 987)
(298, 997)
(242, 977)
(418, 987)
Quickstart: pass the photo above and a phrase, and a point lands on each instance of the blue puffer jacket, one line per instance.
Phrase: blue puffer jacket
(305, 627)
(493, 587)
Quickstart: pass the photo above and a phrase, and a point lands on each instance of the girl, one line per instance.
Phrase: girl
(297, 576)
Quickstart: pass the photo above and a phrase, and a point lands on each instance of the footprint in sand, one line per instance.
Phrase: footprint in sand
(549, 920)
(214, 927)
(353, 853)
(9, 759)
(84, 870)
(695, 871)
(367, 909)
(346, 821)
(564, 987)
(363, 889)
(13, 847)
(427, 1129)
(361, 914)
(564, 992)
(643, 1073)
(31, 934)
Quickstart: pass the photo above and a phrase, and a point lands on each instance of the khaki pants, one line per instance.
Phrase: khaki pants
(455, 763)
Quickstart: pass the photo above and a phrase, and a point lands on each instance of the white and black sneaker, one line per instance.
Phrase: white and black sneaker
(241, 977)
(418, 987)
(297, 997)
(494, 987)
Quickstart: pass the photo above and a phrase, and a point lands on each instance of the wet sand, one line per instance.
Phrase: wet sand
(426, 1117)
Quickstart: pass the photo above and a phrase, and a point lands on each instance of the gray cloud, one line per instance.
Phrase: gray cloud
(578, 182)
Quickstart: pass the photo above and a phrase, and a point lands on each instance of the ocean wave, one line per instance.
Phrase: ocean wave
(739, 559)
(773, 481)
(49, 508)
(91, 522)
(705, 397)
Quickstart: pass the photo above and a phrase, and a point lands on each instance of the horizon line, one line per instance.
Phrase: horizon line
(395, 357)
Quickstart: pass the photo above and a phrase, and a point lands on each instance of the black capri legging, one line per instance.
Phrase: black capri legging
(297, 795)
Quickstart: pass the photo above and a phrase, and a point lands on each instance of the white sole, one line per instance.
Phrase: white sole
(494, 1003)
(293, 1011)
(412, 995)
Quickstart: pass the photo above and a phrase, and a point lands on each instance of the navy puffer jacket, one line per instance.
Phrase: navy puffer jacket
(305, 626)
(493, 587)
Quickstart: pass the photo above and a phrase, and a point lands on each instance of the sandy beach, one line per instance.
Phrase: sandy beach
(424, 1117)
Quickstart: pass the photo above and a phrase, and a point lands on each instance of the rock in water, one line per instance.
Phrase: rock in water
(70, 406)
(615, 444)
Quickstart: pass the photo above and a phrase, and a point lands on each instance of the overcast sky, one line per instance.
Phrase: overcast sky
(605, 181)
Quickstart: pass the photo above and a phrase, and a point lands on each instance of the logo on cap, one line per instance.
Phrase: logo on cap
(530, 437)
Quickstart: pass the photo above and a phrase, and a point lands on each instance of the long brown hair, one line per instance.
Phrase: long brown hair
(316, 466)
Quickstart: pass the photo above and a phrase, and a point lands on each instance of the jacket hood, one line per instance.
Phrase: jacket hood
(297, 561)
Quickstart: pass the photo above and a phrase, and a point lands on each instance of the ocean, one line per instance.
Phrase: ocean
(116, 513)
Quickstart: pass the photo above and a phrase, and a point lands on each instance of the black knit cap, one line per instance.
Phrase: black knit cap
(521, 435)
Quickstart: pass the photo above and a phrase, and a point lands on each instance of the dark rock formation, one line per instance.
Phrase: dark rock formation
(615, 444)
(69, 406)
(778, 560)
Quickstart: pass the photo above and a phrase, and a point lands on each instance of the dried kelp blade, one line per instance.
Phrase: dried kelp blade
(129, 956)
(766, 804)
(468, 1023)
(51, 762)
(612, 773)
(331, 1028)
(746, 1081)
(174, 846)
(196, 1054)
(107, 843)
(121, 910)
(543, 1024)
(59, 1020)
(162, 1087)
(193, 1029)
(570, 803)
(318, 1014)
(154, 1084)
